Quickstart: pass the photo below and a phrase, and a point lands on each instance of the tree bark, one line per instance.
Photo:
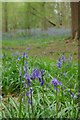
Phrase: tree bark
(28, 17)
(75, 14)
(44, 21)
(4, 17)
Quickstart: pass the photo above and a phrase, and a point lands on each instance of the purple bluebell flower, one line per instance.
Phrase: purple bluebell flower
(55, 82)
(29, 101)
(40, 79)
(31, 90)
(59, 63)
(42, 72)
(79, 93)
(24, 55)
(42, 83)
(25, 68)
(25, 63)
(18, 58)
(27, 77)
(25, 85)
(72, 94)
(63, 58)
(36, 73)
(29, 93)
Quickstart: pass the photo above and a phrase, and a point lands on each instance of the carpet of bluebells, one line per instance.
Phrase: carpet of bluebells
(45, 88)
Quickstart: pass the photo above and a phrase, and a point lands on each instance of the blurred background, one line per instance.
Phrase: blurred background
(41, 28)
(24, 16)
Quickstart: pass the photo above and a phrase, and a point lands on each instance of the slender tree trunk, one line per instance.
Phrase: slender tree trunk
(44, 21)
(28, 17)
(75, 12)
(4, 17)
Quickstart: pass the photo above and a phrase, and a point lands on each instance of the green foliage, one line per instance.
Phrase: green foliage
(26, 15)
(68, 106)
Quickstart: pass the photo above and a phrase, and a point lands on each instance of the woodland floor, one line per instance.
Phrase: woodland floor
(50, 48)
(41, 47)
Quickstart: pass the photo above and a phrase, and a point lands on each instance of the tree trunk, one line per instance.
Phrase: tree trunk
(28, 17)
(44, 21)
(4, 17)
(75, 12)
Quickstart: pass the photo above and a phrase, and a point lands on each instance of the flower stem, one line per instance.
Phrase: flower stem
(56, 104)
(20, 109)
(43, 99)
(21, 74)
(32, 104)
